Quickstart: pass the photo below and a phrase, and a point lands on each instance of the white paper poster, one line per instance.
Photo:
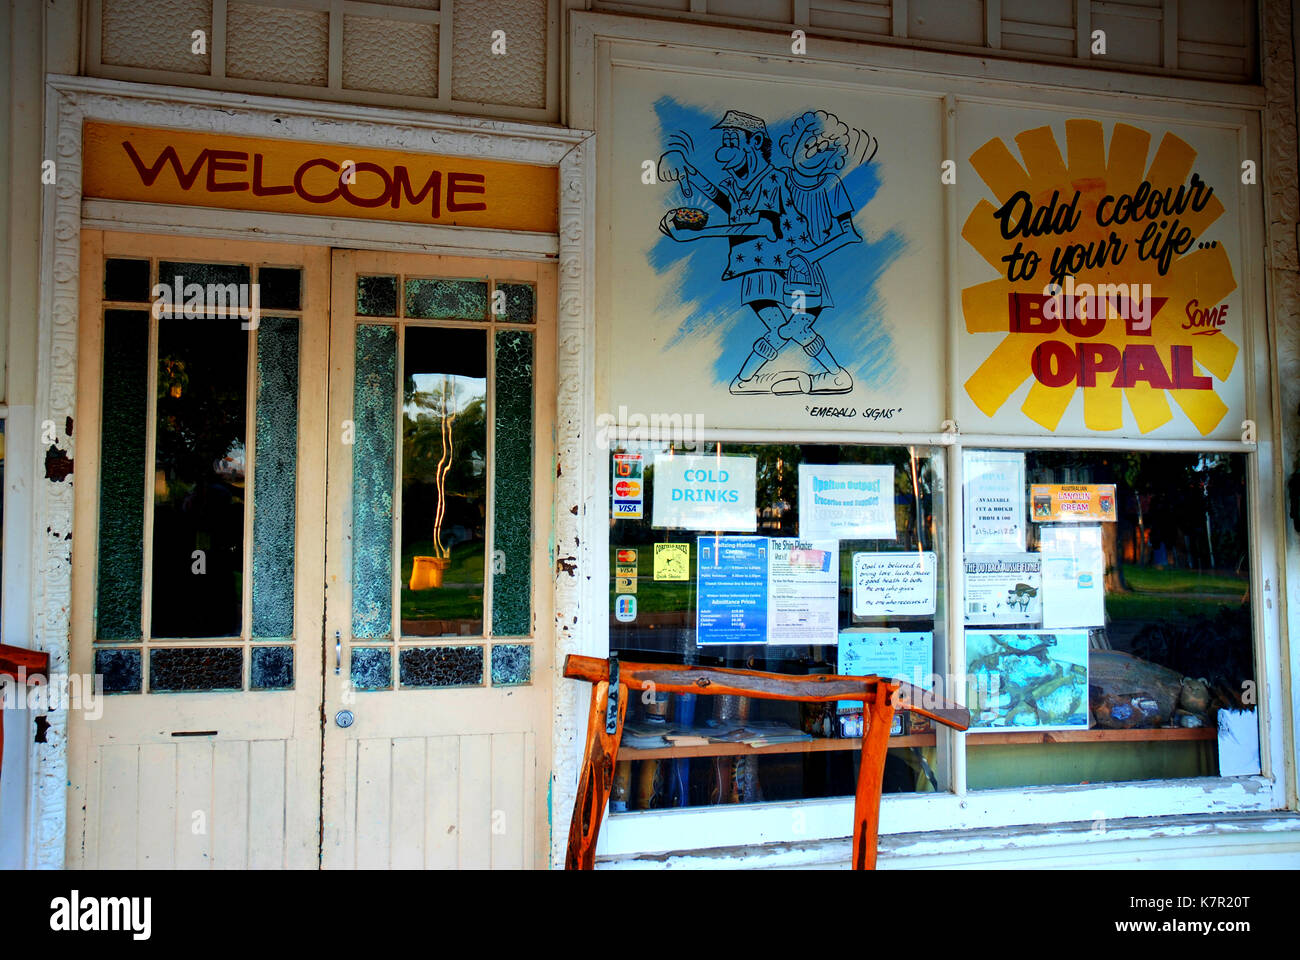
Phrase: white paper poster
(803, 591)
(704, 493)
(995, 501)
(1074, 582)
(893, 584)
(846, 501)
(1004, 588)
(893, 654)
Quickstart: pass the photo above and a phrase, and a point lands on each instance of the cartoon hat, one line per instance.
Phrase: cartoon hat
(741, 121)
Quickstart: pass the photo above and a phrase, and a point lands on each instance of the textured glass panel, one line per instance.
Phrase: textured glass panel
(280, 288)
(372, 668)
(275, 476)
(373, 413)
(202, 273)
(387, 57)
(512, 663)
(275, 44)
(520, 302)
(512, 460)
(377, 296)
(156, 34)
(444, 481)
(272, 668)
(173, 669)
(120, 670)
(441, 666)
(447, 299)
(124, 417)
(518, 79)
(198, 484)
(126, 280)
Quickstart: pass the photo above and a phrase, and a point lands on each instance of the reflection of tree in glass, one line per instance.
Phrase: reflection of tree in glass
(444, 443)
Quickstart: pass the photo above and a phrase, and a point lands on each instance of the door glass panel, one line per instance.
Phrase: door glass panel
(177, 669)
(125, 402)
(444, 482)
(198, 528)
(446, 299)
(374, 399)
(377, 296)
(514, 302)
(512, 485)
(275, 477)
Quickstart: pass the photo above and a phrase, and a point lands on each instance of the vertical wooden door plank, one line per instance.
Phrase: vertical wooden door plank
(157, 806)
(409, 791)
(229, 822)
(442, 799)
(374, 802)
(119, 793)
(475, 802)
(266, 772)
(509, 808)
(194, 814)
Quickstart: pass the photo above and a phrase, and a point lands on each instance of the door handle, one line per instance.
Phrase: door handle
(338, 653)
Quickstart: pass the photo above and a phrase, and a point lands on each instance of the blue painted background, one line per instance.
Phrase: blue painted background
(854, 329)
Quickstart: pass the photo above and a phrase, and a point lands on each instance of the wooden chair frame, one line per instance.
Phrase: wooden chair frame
(605, 729)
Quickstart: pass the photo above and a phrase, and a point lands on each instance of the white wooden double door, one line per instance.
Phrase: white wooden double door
(423, 777)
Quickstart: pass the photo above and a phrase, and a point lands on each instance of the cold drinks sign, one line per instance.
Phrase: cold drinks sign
(243, 173)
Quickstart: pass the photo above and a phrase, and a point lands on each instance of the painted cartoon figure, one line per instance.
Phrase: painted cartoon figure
(781, 221)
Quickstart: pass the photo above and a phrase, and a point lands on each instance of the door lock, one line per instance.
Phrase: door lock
(344, 718)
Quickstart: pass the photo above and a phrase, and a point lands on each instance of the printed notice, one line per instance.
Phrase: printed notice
(704, 493)
(1004, 589)
(672, 561)
(627, 487)
(1074, 569)
(899, 656)
(995, 501)
(846, 501)
(731, 585)
(893, 584)
(803, 583)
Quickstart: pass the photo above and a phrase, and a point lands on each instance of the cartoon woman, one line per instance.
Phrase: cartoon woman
(818, 146)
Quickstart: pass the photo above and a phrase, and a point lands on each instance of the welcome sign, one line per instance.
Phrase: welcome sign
(246, 173)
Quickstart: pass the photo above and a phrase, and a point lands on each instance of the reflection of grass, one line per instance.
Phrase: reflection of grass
(461, 596)
(1151, 580)
(1157, 609)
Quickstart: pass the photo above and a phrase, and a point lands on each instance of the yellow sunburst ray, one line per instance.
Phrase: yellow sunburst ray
(1150, 406)
(1103, 407)
(1127, 158)
(981, 232)
(1046, 405)
(1203, 407)
(985, 307)
(999, 169)
(1085, 146)
(1042, 158)
(990, 386)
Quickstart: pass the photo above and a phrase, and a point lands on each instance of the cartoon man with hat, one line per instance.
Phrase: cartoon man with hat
(760, 230)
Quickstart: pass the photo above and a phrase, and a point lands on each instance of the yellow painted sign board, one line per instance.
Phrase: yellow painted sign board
(152, 165)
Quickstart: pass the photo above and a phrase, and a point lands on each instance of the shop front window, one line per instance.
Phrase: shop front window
(1108, 621)
(788, 558)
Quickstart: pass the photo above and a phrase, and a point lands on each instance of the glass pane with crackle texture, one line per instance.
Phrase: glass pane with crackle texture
(377, 296)
(275, 479)
(176, 669)
(120, 670)
(198, 483)
(272, 668)
(514, 303)
(512, 485)
(374, 412)
(202, 286)
(124, 426)
(372, 668)
(126, 280)
(446, 299)
(512, 663)
(444, 481)
(441, 666)
(280, 288)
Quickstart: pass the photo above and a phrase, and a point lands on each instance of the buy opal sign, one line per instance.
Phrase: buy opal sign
(1113, 280)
